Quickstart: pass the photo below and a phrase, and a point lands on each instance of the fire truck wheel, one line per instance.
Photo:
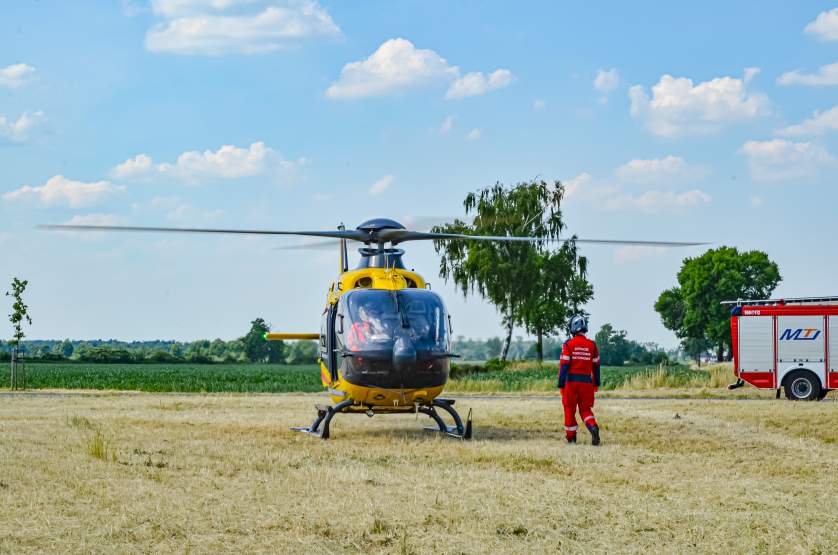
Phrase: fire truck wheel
(802, 385)
(823, 394)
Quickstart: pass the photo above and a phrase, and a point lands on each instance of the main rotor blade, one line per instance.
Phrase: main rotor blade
(629, 242)
(314, 245)
(353, 234)
(401, 235)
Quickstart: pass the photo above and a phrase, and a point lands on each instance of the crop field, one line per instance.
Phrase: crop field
(253, 378)
(281, 378)
(532, 377)
(150, 473)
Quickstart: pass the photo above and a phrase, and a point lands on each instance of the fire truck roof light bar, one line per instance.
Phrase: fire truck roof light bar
(798, 300)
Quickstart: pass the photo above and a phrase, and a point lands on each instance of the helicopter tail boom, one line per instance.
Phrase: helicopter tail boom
(291, 336)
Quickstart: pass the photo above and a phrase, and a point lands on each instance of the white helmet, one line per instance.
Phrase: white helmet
(578, 324)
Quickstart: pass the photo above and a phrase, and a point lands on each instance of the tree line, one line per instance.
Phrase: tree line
(251, 348)
(615, 348)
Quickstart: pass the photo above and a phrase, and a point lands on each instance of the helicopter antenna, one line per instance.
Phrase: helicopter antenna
(344, 255)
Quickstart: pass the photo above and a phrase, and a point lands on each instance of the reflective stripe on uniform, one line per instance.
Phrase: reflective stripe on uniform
(565, 357)
(591, 417)
(571, 428)
(596, 360)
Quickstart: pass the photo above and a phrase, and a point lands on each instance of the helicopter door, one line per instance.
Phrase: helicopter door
(331, 342)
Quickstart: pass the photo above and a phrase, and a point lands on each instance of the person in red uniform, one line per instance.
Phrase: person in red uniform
(365, 329)
(579, 380)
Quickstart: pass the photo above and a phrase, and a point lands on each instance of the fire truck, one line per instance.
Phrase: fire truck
(786, 344)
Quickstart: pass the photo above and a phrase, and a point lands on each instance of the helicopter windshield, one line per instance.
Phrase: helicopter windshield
(375, 318)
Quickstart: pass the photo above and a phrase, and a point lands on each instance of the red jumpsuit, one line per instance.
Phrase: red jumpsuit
(358, 334)
(578, 380)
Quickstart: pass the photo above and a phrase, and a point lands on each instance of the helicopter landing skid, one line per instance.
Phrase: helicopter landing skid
(324, 418)
(457, 431)
(320, 426)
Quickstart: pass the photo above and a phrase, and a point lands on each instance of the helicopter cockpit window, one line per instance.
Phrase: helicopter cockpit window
(374, 319)
(426, 318)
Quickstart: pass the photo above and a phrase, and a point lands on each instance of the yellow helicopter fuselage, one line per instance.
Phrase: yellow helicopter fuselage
(365, 395)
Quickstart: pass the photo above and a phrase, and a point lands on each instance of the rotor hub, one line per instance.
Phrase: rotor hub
(377, 224)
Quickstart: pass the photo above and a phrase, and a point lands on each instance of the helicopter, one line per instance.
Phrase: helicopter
(385, 337)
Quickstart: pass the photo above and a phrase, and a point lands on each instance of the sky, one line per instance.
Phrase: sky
(711, 121)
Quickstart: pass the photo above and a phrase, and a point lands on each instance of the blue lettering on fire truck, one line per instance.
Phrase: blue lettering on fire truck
(800, 334)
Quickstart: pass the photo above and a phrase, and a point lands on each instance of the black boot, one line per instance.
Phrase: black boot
(594, 435)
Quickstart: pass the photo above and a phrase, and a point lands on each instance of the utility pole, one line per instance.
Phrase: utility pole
(20, 313)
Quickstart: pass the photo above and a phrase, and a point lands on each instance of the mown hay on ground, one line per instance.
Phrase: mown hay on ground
(222, 473)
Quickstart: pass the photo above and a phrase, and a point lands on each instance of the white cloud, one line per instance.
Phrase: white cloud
(818, 124)
(228, 162)
(447, 125)
(18, 130)
(779, 160)
(176, 8)
(186, 213)
(659, 201)
(381, 185)
(474, 134)
(825, 26)
(750, 73)
(617, 194)
(164, 202)
(475, 83)
(92, 219)
(637, 253)
(95, 219)
(679, 107)
(667, 169)
(396, 65)
(133, 8)
(826, 75)
(573, 187)
(197, 27)
(59, 190)
(133, 167)
(15, 75)
(756, 202)
(607, 81)
(538, 104)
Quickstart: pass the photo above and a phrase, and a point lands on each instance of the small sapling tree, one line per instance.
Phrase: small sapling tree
(19, 315)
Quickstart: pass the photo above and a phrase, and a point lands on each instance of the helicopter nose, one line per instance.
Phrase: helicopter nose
(404, 353)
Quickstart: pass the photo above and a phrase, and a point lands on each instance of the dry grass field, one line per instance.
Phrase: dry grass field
(143, 473)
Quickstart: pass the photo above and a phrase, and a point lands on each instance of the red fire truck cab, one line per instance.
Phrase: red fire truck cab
(789, 344)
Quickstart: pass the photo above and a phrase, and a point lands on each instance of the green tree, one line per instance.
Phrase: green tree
(513, 275)
(20, 312)
(614, 348)
(65, 348)
(493, 347)
(558, 289)
(302, 352)
(695, 347)
(255, 344)
(259, 349)
(692, 309)
(277, 353)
